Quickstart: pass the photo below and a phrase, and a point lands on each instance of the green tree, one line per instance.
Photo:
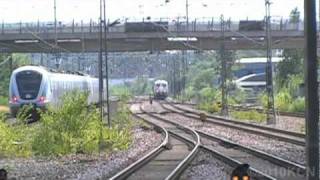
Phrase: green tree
(5, 72)
(294, 16)
(292, 63)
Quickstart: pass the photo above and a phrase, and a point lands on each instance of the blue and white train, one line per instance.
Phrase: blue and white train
(40, 87)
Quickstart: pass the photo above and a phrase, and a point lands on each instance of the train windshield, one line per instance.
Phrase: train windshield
(28, 84)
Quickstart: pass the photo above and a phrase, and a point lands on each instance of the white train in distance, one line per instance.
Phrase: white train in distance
(40, 87)
(160, 89)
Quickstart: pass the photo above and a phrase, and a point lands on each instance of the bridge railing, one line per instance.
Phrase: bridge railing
(174, 25)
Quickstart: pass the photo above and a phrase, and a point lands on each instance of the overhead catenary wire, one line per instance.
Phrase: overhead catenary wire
(5, 61)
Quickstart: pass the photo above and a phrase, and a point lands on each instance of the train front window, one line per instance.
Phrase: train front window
(28, 83)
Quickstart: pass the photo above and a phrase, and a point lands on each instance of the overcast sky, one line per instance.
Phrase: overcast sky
(19, 10)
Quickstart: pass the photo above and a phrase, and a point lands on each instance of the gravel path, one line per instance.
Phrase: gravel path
(83, 166)
(206, 167)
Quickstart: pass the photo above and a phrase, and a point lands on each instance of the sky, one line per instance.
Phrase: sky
(18, 10)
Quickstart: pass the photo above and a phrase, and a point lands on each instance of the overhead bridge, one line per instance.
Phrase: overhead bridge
(29, 38)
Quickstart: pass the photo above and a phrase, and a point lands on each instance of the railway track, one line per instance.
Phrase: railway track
(265, 165)
(281, 113)
(168, 160)
(260, 110)
(282, 135)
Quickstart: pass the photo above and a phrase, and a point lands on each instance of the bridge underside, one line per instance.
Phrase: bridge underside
(129, 42)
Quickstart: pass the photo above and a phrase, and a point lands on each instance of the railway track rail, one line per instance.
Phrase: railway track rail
(260, 110)
(281, 113)
(169, 159)
(234, 157)
(274, 166)
(282, 135)
(264, 165)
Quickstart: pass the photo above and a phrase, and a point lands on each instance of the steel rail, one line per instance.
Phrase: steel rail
(184, 164)
(260, 110)
(194, 111)
(228, 160)
(287, 136)
(269, 157)
(145, 159)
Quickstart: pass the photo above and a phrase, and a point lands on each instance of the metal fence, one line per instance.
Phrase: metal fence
(175, 25)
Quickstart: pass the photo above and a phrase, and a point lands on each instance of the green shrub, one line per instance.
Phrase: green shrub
(298, 105)
(237, 96)
(249, 115)
(69, 129)
(122, 92)
(14, 140)
(3, 101)
(208, 95)
(209, 107)
(263, 99)
(73, 128)
(283, 100)
(141, 86)
(24, 114)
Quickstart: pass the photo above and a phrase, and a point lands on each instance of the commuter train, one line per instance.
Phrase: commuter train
(40, 87)
(160, 89)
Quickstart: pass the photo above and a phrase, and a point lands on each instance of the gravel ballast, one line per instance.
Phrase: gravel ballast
(288, 123)
(206, 167)
(275, 147)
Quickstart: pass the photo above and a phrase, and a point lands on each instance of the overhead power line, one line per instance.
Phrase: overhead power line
(5, 61)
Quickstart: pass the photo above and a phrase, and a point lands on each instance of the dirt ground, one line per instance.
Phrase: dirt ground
(4, 109)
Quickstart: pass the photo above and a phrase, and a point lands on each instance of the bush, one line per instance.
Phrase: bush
(297, 105)
(283, 100)
(73, 128)
(209, 95)
(69, 129)
(249, 115)
(3, 101)
(141, 86)
(209, 107)
(122, 92)
(14, 140)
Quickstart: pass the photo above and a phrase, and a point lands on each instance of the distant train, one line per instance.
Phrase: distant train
(160, 89)
(40, 87)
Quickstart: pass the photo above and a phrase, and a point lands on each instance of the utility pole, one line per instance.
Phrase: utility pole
(187, 16)
(174, 79)
(311, 91)
(41, 59)
(100, 63)
(107, 62)
(185, 53)
(56, 35)
(271, 116)
(80, 60)
(11, 63)
(224, 99)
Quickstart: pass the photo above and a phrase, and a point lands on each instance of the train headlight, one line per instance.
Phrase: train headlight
(245, 178)
(14, 99)
(42, 99)
(235, 178)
